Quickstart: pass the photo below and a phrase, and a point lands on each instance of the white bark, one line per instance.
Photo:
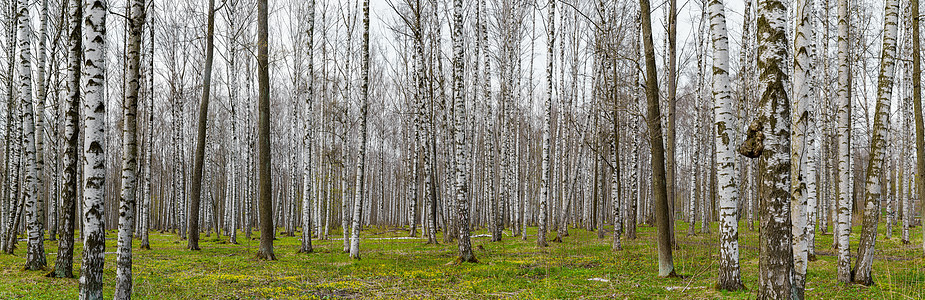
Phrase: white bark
(308, 137)
(874, 188)
(844, 147)
(94, 157)
(725, 120)
(129, 154)
(35, 253)
(545, 175)
(801, 148)
(361, 159)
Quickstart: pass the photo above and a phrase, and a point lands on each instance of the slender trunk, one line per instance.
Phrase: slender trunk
(35, 251)
(308, 137)
(41, 96)
(660, 190)
(146, 202)
(265, 188)
(844, 150)
(64, 262)
(459, 116)
(361, 159)
(874, 190)
(670, 135)
(129, 154)
(917, 107)
(94, 151)
(196, 193)
(546, 167)
(801, 146)
(724, 118)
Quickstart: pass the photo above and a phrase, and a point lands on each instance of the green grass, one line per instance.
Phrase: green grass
(407, 269)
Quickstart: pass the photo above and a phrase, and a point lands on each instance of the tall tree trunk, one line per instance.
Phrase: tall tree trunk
(844, 150)
(129, 154)
(265, 187)
(196, 193)
(776, 254)
(35, 251)
(917, 107)
(724, 118)
(308, 137)
(801, 147)
(10, 157)
(146, 201)
(459, 116)
(41, 96)
(94, 151)
(64, 262)
(546, 167)
(670, 139)
(874, 192)
(495, 210)
(660, 190)
(361, 159)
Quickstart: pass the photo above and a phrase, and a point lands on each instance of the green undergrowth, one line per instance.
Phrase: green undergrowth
(583, 266)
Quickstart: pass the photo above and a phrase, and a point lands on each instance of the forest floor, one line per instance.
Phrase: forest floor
(581, 267)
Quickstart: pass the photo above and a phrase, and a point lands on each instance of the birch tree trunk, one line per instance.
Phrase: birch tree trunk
(546, 167)
(13, 124)
(361, 159)
(724, 118)
(146, 201)
(801, 148)
(775, 262)
(459, 116)
(129, 154)
(874, 190)
(660, 193)
(232, 204)
(41, 96)
(494, 209)
(94, 152)
(64, 262)
(308, 137)
(844, 150)
(615, 198)
(35, 251)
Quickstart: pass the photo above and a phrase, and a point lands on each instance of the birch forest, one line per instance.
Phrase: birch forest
(461, 149)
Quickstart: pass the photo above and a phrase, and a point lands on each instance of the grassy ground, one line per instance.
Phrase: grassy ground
(406, 269)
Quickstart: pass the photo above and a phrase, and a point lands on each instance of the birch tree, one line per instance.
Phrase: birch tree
(40, 97)
(459, 116)
(35, 251)
(775, 262)
(874, 191)
(493, 206)
(129, 153)
(546, 167)
(64, 262)
(844, 150)
(308, 137)
(361, 159)
(724, 118)
(801, 148)
(94, 155)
